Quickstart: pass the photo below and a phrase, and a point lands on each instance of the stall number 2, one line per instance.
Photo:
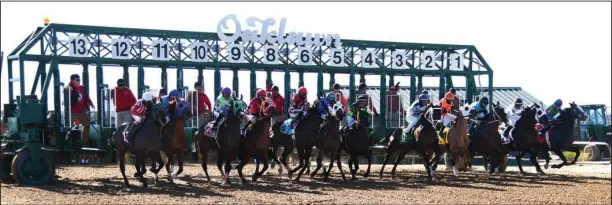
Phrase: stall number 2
(120, 48)
(428, 61)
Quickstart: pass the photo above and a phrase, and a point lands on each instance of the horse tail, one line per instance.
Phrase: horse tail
(387, 138)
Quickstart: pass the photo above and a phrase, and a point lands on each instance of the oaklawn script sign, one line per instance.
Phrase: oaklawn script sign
(259, 41)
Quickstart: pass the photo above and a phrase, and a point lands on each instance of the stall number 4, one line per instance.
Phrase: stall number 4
(368, 59)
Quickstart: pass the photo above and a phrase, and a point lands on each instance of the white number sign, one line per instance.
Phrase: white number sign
(78, 46)
(398, 59)
(160, 50)
(336, 57)
(428, 60)
(270, 54)
(368, 59)
(120, 48)
(199, 52)
(304, 56)
(235, 53)
(456, 61)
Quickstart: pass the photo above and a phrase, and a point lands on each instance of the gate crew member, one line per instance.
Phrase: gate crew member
(123, 100)
(362, 91)
(79, 104)
(279, 102)
(203, 101)
(394, 106)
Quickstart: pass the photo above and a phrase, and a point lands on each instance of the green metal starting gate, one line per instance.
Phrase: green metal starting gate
(55, 45)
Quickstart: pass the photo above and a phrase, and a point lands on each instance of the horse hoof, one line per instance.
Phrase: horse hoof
(546, 166)
(145, 185)
(245, 182)
(523, 173)
(366, 175)
(354, 178)
(290, 175)
(280, 170)
(254, 179)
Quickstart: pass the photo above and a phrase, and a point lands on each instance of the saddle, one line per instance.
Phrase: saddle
(130, 132)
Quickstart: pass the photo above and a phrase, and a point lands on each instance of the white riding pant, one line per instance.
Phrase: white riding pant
(412, 120)
(513, 119)
(251, 118)
(137, 119)
(448, 119)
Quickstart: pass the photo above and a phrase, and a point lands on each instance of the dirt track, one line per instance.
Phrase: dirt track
(585, 184)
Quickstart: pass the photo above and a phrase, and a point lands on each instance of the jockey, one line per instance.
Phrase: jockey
(279, 101)
(480, 109)
(165, 102)
(299, 103)
(446, 104)
(222, 104)
(553, 111)
(254, 108)
(139, 113)
(324, 105)
(514, 112)
(336, 90)
(356, 107)
(416, 109)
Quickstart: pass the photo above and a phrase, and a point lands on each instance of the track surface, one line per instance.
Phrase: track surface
(576, 184)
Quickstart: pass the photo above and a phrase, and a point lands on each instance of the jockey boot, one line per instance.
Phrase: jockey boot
(506, 132)
(216, 122)
(246, 127)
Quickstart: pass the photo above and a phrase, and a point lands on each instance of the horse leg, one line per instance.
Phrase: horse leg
(486, 160)
(244, 161)
(495, 161)
(301, 157)
(519, 158)
(170, 169)
(228, 169)
(559, 153)
(426, 163)
(369, 158)
(533, 157)
(205, 166)
(331, 165)
(390, 152)
(436, 159)
(356, 164)
(180, 157)
(283, 159)
(319, 164)
(398, 159)
(339, 163)
(546, 155)
(263, 157)
(306, 161)
(471, 157)
(220, 165)
(352, 169)
(577, 152)
(139, 167)
(257, 161)
(122, 167)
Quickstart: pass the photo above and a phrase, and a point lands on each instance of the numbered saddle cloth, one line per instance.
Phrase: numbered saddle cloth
(287, 129)
(210, 130)
(506, 136)
(443, 140)
(407, 135)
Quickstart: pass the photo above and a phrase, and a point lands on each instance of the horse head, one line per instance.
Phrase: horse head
(337, 111)
(498, 113)
(181, 110)
(574, 112)
(157, 113)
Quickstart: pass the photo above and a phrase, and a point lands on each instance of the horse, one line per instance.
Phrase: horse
(329, 142)
(256, 141)
(427, 140)
(147, 143)
(357, 141)
(395, 145)
(525, 138)
(457, 142)
(561, 135)
(305, 138)
(225, 139)
(173, 137)
(487, 139)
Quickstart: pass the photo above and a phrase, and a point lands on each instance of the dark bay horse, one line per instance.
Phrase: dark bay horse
(561, 134)
(173, 136)
(525, 137)
(395, 145)
(427, 143)
(147, 143)
(256, 141)
(305, 135)
(225, 140)
(357, 141)
(487, 139)
(329, 142)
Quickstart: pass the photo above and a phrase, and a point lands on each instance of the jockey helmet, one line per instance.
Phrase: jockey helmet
(558, 102)
(423, 98)
(226, 91)
(261, 93)
(484, 100)
(302, 91)
(362, 86)
(336, 86)
(174, 93)
(518, 103)
(147, 96)
(452, 90)
(331, 97)
(275, 88)
(449, 95)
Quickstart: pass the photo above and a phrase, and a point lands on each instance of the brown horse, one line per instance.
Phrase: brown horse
(329, 142)
(256, 141)
(457, 144)
(173, 137)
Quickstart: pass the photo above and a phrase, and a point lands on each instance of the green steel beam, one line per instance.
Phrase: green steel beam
(413, 89)
(85, 77)
(235, 82)
(99, 82)
(352, 86)
(126, 75)
(253, 82)
(22, 80)
(301, 78)
(287, 92)
(164, 78)
(332, 80)
(141, 79)
(9, 70)
(217, 76)
(37, 77)
(268, 78)
(320, 82)
(179, 78)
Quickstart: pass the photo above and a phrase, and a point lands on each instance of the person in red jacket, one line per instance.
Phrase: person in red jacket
(123, 99)
(363, 91)
(79, 104)
(279, 101)
(204, 104)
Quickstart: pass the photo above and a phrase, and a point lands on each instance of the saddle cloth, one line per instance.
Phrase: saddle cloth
(544, 138)
(443, 140)
(506, 136)
(287, 129)
(210, 131)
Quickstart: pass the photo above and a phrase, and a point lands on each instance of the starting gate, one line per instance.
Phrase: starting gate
(396, 114)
